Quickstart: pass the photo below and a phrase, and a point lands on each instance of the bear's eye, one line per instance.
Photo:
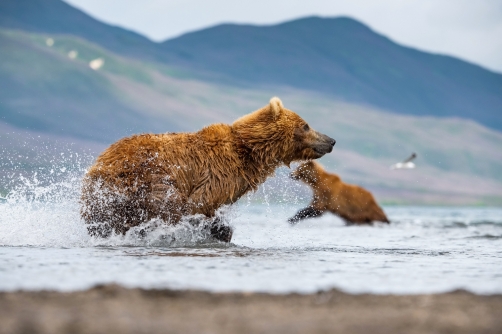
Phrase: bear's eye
(306, 127)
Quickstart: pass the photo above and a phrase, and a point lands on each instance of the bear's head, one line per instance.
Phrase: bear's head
(276, 134)
(307, 172)
(311, 172)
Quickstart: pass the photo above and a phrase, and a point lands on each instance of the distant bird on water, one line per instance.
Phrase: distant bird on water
(406, 164)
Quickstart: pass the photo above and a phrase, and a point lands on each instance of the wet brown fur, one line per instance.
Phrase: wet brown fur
(176, 174)
(352, 203)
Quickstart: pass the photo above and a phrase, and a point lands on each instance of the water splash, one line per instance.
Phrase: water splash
(42, 209)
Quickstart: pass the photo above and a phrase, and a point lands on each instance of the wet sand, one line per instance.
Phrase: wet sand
(114, 309)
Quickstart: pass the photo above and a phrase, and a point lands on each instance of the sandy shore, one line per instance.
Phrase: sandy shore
(113, 309)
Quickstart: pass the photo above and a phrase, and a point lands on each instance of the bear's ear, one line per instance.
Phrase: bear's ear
(276, 107)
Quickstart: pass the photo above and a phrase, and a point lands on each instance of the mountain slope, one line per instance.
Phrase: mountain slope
(44, 90)
(343, 58)
(338, 57)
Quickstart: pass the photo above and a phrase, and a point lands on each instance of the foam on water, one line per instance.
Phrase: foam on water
(49, 216)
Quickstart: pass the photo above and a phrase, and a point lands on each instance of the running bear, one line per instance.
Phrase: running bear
(352, 203)
(172, 175)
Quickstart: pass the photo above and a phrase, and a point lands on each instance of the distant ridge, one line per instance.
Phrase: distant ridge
(339, 57)
(342, 57)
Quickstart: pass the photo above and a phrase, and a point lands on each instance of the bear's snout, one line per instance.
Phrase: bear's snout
(324, 144)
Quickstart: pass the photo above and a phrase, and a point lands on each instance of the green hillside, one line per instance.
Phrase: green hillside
(44, 90)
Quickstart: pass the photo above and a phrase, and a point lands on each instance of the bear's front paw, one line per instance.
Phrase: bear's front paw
(222, 232)
(293, 221)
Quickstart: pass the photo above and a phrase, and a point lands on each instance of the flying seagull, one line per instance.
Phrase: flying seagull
(406, 164)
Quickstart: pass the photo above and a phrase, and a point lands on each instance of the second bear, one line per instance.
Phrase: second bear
(352, 203)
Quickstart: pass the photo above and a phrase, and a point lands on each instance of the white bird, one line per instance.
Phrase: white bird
(97, 63)
(72, 54)
(406, 164)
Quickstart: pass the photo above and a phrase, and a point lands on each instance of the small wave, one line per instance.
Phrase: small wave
(475, 223)
(486, 223)
(219, 250)
(486, 236)
(446, 223)
(457, 225)
(380, 251)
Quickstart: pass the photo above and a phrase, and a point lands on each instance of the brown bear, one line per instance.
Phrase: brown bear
(172, 175)
(352, 203)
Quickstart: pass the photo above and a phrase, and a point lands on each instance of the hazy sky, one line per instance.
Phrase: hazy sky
(469, 29)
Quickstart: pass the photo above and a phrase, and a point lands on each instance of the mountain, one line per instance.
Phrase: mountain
(338, 57)
(343, 58)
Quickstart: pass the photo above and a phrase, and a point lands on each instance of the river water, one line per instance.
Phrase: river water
(44, 245)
